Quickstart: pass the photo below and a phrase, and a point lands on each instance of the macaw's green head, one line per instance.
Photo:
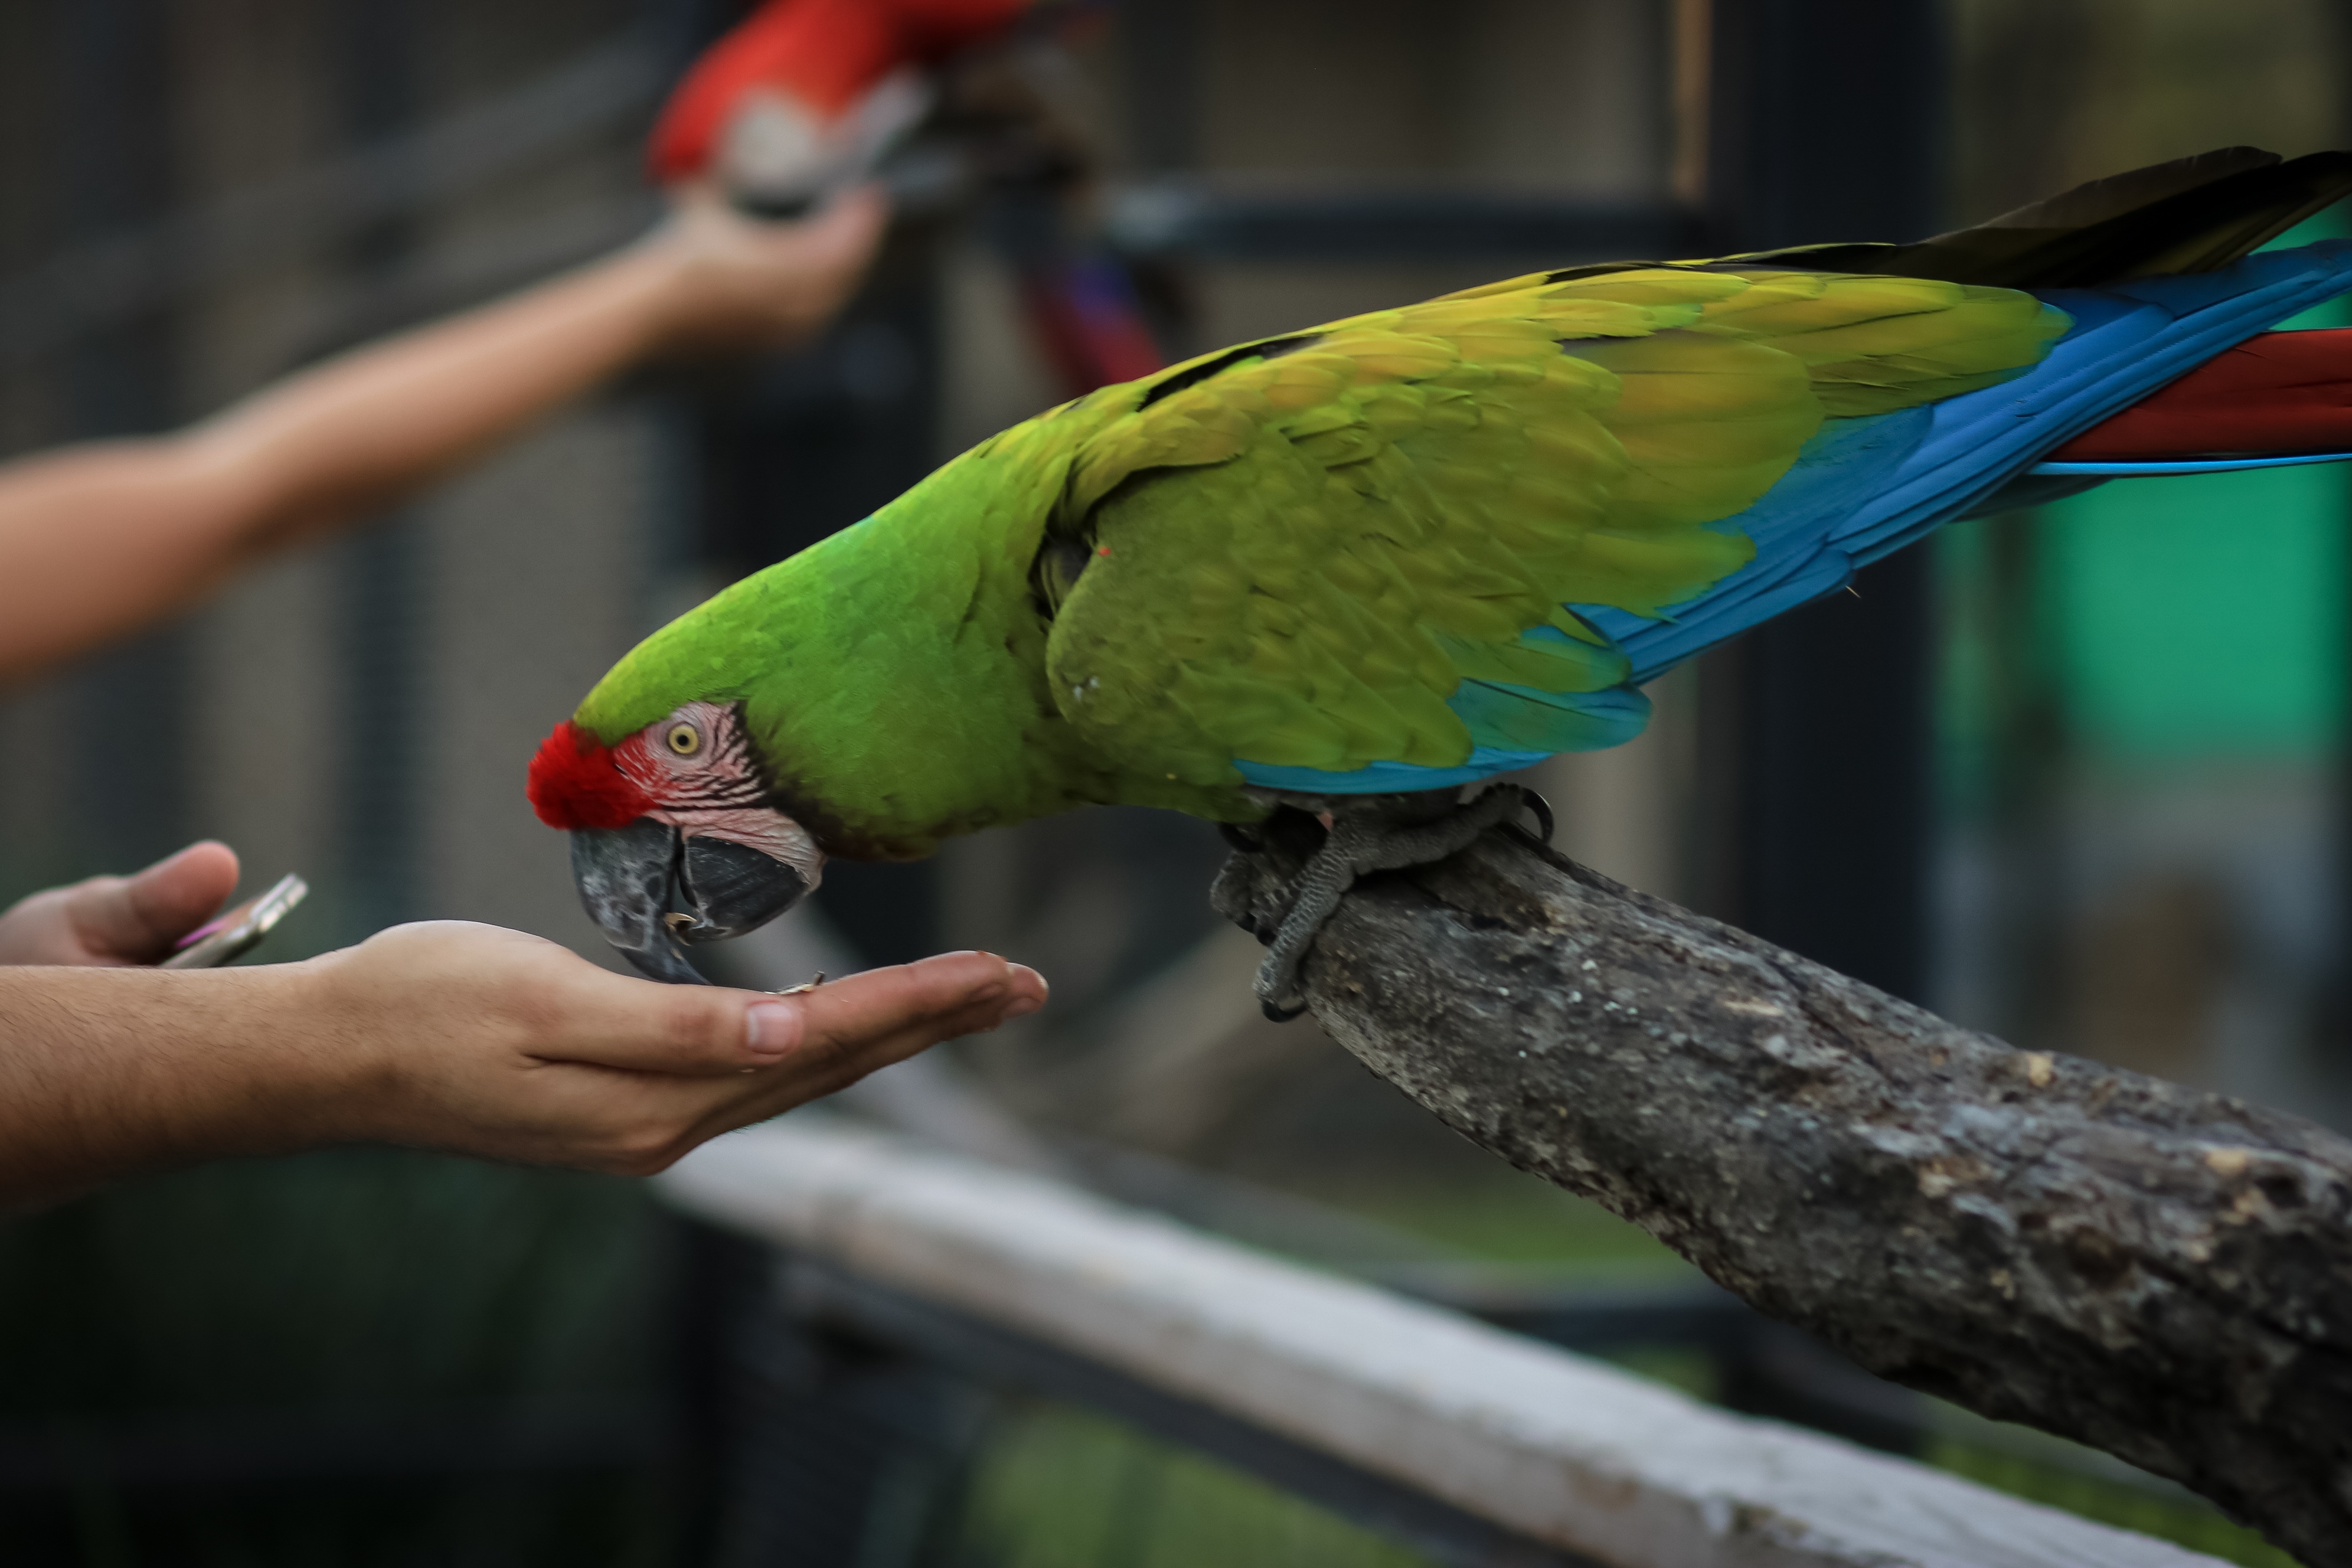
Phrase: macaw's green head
(676, 835)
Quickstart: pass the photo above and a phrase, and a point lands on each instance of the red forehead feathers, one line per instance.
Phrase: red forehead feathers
(575, 783)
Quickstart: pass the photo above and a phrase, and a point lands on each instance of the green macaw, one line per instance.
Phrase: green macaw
(1400, 552)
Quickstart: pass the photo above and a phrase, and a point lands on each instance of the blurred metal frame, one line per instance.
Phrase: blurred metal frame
(1191, 220)
(122, 268)
(1825, 121)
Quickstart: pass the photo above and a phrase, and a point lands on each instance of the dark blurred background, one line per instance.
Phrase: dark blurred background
(2073, 776)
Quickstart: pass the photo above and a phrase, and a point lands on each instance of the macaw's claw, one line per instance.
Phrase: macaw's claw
(1368, 836)
(1541, 807)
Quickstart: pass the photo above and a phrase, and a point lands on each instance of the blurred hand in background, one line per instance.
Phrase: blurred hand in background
(737, 283)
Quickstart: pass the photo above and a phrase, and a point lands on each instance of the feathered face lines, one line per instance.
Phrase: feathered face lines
(695, 769)
(697, 759)
(675, 836)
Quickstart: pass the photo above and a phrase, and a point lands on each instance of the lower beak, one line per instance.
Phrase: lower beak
(649, 890)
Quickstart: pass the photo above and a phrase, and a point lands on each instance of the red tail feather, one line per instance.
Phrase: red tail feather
(2279, 394)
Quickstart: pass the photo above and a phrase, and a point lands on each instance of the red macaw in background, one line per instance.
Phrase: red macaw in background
(806, 96)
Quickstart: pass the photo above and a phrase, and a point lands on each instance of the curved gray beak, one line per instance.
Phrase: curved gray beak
(650, 891)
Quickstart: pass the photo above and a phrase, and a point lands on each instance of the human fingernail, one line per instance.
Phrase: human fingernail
(1022, 1007)
(771, 1029)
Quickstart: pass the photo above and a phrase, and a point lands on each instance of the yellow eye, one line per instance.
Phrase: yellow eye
(683, 740)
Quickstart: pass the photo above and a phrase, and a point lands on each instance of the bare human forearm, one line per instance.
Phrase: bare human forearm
(444, 1036)
(98, 541)
(105, 1071)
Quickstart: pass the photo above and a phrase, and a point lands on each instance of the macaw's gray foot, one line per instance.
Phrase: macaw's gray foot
(1368, 833)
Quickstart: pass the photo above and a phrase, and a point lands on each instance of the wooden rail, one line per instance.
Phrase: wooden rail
(1553, 1447)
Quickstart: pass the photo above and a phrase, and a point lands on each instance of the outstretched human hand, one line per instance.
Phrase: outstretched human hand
(445, 1036)
(112, 921)
(490, 1042)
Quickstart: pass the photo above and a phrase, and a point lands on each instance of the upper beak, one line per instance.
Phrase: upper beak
(647, 887)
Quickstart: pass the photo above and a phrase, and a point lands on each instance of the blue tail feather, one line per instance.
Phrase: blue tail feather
(2159, 468)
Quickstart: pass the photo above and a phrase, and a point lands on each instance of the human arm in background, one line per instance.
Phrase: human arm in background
(445, 1036)
(99, 540)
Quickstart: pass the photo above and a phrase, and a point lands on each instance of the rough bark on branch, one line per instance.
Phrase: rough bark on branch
(2160, 1272)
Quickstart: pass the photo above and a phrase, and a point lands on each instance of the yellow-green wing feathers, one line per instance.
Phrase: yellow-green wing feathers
(1296, 553)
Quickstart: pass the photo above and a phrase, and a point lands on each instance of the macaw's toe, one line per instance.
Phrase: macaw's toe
(1370, 834)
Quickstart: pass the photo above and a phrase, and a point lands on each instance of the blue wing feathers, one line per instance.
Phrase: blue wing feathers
(1866, 487)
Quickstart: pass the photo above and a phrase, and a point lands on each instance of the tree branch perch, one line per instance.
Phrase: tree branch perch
(2160, 1272)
